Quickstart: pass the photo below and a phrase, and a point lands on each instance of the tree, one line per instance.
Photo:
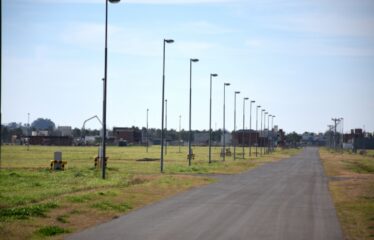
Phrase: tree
(293, 138)
(43, 124)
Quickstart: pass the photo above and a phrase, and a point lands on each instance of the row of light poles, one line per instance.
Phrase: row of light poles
(164, 102)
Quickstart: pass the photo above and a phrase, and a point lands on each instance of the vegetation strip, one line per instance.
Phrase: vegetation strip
(352, 188)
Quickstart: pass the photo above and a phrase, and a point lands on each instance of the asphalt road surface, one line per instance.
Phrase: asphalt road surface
(286, 200)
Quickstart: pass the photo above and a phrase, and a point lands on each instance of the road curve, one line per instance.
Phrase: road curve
(288, 200)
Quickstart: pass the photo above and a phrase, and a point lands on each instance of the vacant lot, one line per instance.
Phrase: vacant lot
(352, 187)
(37, 203)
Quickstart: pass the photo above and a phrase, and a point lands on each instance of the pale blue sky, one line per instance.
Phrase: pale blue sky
(304, 61)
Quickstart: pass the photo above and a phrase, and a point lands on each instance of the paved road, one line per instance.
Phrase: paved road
(286, 200)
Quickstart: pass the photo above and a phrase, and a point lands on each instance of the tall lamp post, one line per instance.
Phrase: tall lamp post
(103, 155)
(190, 133)
(266, 113)
(180, 116)
(250, 127)
(28, 131)
(244, 99)
(234, 140)
(262, 111)
(272, 129)
(268, 133)
(224, 116)
(147, 143)
(257, 134)
(166, 126)
(210, 117)
(162, 104)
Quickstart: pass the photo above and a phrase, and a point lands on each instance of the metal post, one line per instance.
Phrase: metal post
(166, 126)
(162, 104)
(250, 127)
(273, 135)
(210, 117)
(261, 150)
(257, 134)
(28, 131)
(147, 143)
(234, 139)
(180, 116)
(244, 99)
(1, 74)
(224, 115)
(268, 134)
(103, 155)
(190, 133)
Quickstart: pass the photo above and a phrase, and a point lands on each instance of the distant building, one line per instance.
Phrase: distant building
(201, 138)
(130, 135)
(245, 137)
(228, 138)
(51, 140)
(65, 131)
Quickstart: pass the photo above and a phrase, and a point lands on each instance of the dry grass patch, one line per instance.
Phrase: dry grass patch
(352, 188)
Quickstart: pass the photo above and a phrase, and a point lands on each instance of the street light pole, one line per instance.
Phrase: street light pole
(210, 117)
(262, 111)
(257, 134)
(250, 127)
(234, 139)
(266, 113)
(190, 133)
(180, 116)
(268, 133)
(244, 99)
(147, 143)
(162, 104)
(272, 129)
(166, 126)
(103, 155)
(224, 116)
(28, 131)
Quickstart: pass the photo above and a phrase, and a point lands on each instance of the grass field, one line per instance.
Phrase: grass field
(36, 203)
(352, 187)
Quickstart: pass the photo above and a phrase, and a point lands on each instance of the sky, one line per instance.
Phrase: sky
(303, 61)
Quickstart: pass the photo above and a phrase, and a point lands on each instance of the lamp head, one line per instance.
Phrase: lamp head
(194, 60)
(246, 98)
(214, 74)
(114, 1)
(237, 92)
(169, 40)
(227, 84)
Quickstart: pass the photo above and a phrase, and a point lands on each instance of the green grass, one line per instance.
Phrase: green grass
(52, 231)
(106, 205)
(353, 195)
(363, 166)
(26, 178)
(133, 179)
(26, 212)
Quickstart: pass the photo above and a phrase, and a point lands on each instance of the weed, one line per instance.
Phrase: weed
(79, 198)
(52, 231)
(105, 205)
(26, 212)
(62, 219)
